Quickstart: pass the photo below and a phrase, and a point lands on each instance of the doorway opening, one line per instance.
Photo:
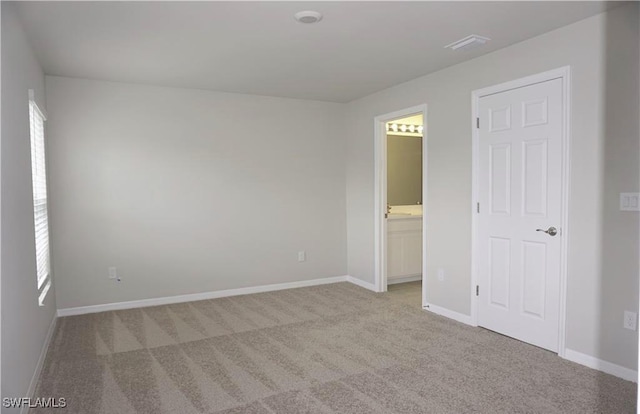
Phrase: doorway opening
(400, 208)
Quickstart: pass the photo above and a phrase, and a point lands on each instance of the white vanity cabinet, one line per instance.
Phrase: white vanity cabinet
(404, 246)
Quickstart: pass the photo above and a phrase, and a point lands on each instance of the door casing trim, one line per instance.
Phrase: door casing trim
(563, 73)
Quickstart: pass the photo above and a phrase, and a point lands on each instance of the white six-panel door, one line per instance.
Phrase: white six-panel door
(520, 156)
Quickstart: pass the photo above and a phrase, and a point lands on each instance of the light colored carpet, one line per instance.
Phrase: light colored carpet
(324, 349)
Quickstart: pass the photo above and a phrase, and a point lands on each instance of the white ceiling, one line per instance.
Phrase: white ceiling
(258, 48)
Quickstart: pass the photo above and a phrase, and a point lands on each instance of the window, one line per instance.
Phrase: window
(39, 178)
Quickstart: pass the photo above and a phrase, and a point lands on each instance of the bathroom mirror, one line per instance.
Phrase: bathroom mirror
(404, 170)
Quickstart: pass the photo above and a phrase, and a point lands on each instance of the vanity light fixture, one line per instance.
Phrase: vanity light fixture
(405, 129)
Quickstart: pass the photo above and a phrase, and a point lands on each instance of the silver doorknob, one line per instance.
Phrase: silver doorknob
(551, 231)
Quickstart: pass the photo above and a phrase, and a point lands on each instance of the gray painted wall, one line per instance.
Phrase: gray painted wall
(603, 248)
(190, 191)
(24, 323)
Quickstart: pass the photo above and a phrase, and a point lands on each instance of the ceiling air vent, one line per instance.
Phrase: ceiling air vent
(469, 42)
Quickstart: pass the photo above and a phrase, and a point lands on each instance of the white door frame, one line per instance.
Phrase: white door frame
(563, 73)
(380, 193)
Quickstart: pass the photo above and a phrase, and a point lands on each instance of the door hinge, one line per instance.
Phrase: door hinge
(477, 290)
(478, 207)
(478, 123)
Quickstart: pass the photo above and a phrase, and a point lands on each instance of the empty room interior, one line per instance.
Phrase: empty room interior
(320, 207)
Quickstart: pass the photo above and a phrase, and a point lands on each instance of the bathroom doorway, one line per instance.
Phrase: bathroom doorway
(400, 231)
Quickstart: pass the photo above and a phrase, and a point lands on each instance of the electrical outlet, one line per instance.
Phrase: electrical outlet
(440, 274)
(302, 256)
(630, 320)
(113, 272)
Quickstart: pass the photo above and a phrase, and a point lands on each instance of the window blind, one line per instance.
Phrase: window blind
(40, 214)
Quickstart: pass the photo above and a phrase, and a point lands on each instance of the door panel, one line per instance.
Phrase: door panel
(520, 167)
(534, 178)
(500, 180)
(534, 259)
(500, 118)
(499, 271)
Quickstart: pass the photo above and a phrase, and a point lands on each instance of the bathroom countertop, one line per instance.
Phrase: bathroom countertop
(398, 216)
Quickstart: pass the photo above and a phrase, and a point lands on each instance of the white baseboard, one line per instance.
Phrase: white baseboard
(456, 316)
(600, 365)
(405, 279)
(361, 283)
(43, 354)
(196, 296)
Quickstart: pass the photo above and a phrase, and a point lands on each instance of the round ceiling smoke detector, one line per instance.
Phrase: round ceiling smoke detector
(308, 16)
